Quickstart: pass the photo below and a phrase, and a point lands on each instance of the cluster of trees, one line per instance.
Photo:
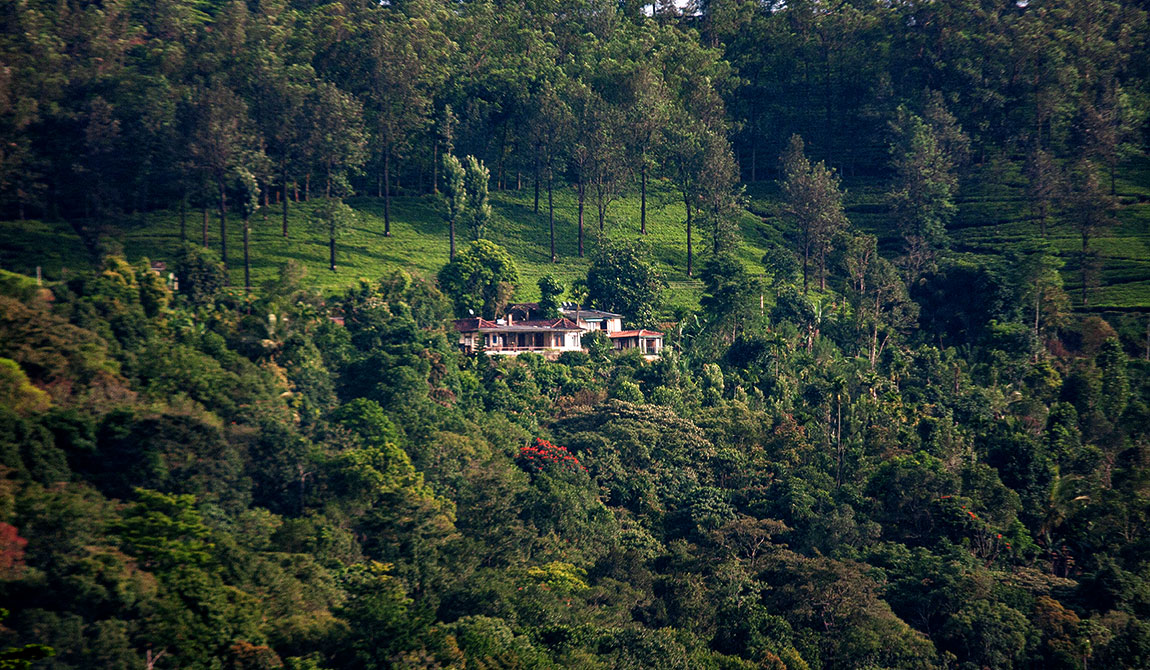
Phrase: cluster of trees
(216, 104)
(866, 477)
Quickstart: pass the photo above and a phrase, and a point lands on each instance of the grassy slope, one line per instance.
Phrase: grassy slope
(418, 242)
(993, 216)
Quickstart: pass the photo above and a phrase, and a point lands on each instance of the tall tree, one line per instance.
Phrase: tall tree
(337, 141)
(1090, 210)
(223, 139)
(454, 195)
(333, 216)
(247, 201)
(922, 196)
(550, 126)
(392, 62)
(478, 209)
(1043, 184)
(685, 149)
(813, 200)
(646, 112)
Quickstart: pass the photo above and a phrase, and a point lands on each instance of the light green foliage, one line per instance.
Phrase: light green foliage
(454, 195)
(477, 212)
(246, 200)
(165, 531)
(17, 393)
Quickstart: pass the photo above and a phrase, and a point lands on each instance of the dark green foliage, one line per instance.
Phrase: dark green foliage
(200, 273)
(623, 279)
(932, 463)
(480, 280)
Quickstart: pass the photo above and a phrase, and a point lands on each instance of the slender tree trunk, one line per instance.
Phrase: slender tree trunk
(1085, 246)
(435, 168)
(502, 157)
(327, 182)
(643, 198)
(1146, 356)
(307, 187)
(331, 251)
(806, 266)
(223, 222)
(184, 217)
(537, 180)
(283, 173)
(451, 237)
(247, 259)
(387, 193)
(205, 210)
(582, 190)
(822, 268)
(690, 253)
(874, 329)
(551, 215)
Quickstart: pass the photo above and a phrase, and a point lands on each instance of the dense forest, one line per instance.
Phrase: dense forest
(872, 449)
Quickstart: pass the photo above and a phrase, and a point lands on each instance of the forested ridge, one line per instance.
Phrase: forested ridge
(884, 435)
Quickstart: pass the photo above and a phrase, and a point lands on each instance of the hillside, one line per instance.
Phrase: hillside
(993, 218)
(418, 242)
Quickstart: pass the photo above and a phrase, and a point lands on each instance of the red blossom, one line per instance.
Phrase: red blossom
(11, 550)
(541, 454)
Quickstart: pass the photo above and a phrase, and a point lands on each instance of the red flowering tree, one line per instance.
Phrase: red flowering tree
(541, 456)
(11, 551)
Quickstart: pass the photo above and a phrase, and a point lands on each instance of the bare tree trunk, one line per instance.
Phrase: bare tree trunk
(247, 259)
(331, 251)
(822, 268)
(690, 253)
(307, 187)
(582, 189)
(283, 173)
(387, 193)
(536, 179)
(223, 221)
(642, 198)
(435, 168)
(806, 266)
(205, 226)
(1085, 247)
(551, 214)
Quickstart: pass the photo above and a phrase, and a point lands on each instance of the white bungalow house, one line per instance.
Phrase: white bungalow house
(508, 337)
(650, 342)
(524, 329)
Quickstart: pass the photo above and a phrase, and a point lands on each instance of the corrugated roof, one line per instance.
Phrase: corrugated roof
(635, 333)
(588, 314)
